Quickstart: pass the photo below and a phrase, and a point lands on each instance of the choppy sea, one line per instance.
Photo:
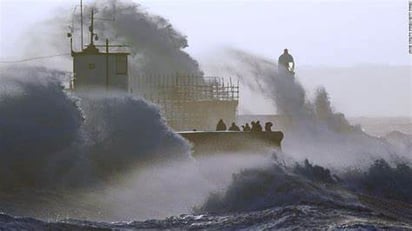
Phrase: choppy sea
(109, 162)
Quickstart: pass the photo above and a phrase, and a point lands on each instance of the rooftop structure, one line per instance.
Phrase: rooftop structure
(95, 69)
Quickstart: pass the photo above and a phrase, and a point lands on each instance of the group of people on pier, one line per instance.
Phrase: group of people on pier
(286, 64)
(256, 127)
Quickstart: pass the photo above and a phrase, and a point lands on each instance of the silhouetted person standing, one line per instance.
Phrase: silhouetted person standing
(286, 62)
(221, 126)
(253, 129)
(258, 126)
(246, 128)
(234, 127)
(268, 126)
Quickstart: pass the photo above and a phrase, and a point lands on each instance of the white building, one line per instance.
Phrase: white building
(94, 69)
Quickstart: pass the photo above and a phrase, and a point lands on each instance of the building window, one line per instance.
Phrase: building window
(121, 64)
(92, 66)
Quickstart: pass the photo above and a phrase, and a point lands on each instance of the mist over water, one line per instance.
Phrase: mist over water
(313, 130)
(51, 139)
(159, 190)
(315, 137)
(97, 156)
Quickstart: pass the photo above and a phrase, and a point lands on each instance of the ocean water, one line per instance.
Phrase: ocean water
(381, 126)
(109, 162)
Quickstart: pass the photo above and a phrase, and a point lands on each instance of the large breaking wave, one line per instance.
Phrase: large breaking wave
(306, 183)
(51, 139)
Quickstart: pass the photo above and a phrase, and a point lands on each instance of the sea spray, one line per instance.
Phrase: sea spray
(119, 138)
(382, 180)
(106, 156)
(122, 130)
(37, 121)
(256, 189)
(316, 138)
(155, 46)
(49, 139)
(159, 190)
(312, 128)
(275, 186)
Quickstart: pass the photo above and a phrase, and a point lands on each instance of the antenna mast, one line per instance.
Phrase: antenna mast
(81, 23)
(92, 28)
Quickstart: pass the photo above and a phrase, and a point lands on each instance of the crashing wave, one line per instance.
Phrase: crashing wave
(52, 139)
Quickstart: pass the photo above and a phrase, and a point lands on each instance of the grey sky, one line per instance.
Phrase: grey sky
(318, 33)
(349, 32)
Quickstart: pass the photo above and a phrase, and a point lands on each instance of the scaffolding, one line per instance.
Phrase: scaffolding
(189, 102)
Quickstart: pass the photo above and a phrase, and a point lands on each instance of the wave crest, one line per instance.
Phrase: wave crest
(50, 139)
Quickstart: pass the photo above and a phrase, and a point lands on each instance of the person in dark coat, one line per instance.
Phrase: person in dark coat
(286, 62)
(253, 129)
(258, 126)
(268, 126)
(246, 128)
(234, 127)
(221, 126)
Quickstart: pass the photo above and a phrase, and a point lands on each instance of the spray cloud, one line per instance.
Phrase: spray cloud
(312, 129)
